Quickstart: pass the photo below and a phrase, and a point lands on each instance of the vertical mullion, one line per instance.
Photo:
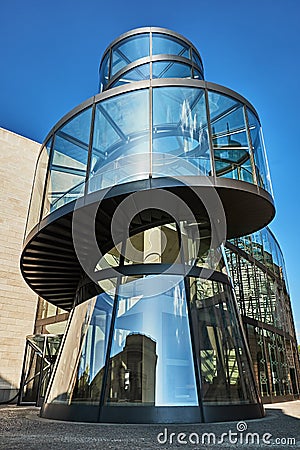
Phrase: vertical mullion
(48, 171)
(197, 369)
(210, 140)
(250, 144)
(150, 54)
(109, 65)
(26, 232)
(90, 149)
(22, 383)
(111, 333)
(59, 352)
(151, 105)
(151, 129)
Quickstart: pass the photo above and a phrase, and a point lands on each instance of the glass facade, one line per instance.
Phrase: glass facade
(156, 340)
(146, 47)
(80, 368)
(67, 171)
(167, 131)
(166, 324)
(258, 273)
(153, 358)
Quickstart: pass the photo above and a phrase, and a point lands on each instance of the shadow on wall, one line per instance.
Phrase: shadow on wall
(8, 392)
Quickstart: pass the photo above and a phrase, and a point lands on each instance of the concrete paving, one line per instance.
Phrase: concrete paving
(21, 428)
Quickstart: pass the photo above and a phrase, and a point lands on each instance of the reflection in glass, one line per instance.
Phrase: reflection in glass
(68, 162)
(258, 356)
(197, 74)
(121, 132)
(170, 69)
(157, 245)
(168, 45)
(261, 165)
(197, 247)
(189, 244)
(38, 188)
(197, 60)
(151, 359)
(104, 72)
(78, 376)
(137, 74)
(225, 369)
(180, 139)
(129, 50)
(231, 150)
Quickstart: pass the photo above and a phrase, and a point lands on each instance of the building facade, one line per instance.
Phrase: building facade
(17, 302)
(260, 282)
(135, 193)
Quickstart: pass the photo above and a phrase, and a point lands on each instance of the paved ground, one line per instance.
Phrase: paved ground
(22, 429)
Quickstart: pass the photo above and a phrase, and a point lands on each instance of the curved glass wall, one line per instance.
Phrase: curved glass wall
(160, 69)
(129, 50)
(159, 339)
(169, 244)
(133, 347)
(229, 137)
(36, 200)
(259, 153)
(160, 131)
(68, 163)
(138, 73)
(81, 363)
(257, 270)
(147, 364)
(137, 49)
(225, 370)
(180, 132)
(121, 133)
(264, 247)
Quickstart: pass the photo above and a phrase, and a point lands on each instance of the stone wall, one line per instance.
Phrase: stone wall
(17, 302)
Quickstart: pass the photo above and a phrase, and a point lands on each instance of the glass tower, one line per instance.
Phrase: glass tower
(135, 193)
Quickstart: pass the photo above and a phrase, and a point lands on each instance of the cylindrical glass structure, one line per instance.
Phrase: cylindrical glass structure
(135, 193)
(155, 340)
(190, 129)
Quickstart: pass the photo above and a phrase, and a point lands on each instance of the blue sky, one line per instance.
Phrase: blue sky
(50, 53)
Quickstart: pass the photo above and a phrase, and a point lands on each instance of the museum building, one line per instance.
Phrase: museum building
(148, 225)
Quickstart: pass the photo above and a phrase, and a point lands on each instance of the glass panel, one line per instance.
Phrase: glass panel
(267, 249)
(231, 151)
(104, 69)
(197, 60)
(38, 188)
(261, 165)
(153, 246)
(68, 163)
(257, 350)
(78, 376)
(225, 369)
(129, 50)
(169, 69)
(151, 357)
(121, 140)
(180, 138)
(197, 248)
(137, 74)
(110, 259)
(257, 246)
(167, 45)
(197, 75)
